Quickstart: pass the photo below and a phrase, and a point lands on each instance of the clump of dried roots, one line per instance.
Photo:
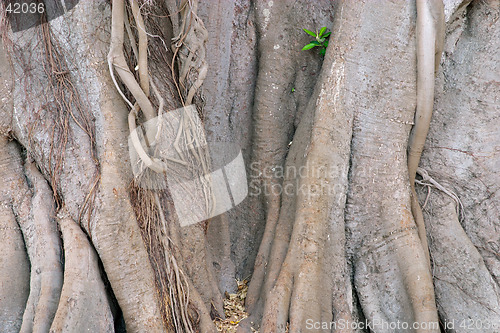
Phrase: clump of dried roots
(153, 204)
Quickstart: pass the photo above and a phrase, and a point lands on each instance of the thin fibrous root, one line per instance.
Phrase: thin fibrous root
(432, 183)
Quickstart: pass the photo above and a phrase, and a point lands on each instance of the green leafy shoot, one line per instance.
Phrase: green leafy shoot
(310, 33)
(321, 40)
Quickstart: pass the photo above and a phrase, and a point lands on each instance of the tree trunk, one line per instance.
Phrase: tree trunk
(360, 216)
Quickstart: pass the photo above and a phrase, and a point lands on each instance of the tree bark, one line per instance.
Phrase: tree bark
(328, 232)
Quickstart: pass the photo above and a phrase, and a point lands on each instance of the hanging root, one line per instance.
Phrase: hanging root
(189, 49)
(177, 301)
(171, 282)
(116, 61)
(430, 38)
(67, 106)
(189, 142)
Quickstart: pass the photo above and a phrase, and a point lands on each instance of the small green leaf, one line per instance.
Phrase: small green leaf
(325, 44)
(293, 89)
(310, 32)
(322, 51)
(327, 34)
(322, 31)
(310, 46)
(321, 40)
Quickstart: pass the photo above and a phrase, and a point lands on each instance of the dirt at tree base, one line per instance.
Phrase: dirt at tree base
(234, 309)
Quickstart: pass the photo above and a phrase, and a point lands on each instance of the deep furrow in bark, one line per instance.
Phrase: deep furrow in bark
(274, 114)
(317, 242)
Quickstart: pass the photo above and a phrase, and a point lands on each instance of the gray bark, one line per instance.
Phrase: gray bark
(462, 155)
(351, 254)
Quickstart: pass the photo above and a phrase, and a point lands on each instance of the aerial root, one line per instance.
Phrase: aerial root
(430, 182)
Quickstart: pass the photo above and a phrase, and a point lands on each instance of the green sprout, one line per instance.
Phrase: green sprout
(321, 40)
